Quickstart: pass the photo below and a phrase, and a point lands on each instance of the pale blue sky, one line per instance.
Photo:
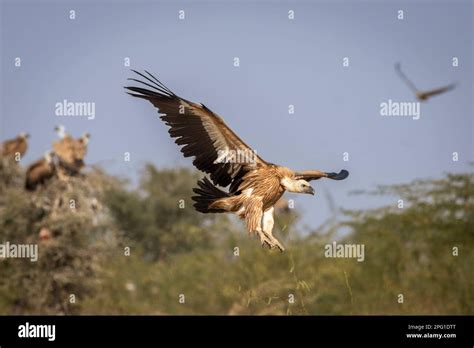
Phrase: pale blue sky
(282, 62)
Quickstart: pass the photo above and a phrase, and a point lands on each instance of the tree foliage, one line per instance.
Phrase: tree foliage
(184, 262)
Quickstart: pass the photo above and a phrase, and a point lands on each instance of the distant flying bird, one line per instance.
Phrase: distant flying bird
(255, 185)
(15, 148)
(422, 95)
(40, 172)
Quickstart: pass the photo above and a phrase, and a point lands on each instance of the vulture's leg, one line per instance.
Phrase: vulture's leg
(268, 223)
(264, 239)
(253, 218)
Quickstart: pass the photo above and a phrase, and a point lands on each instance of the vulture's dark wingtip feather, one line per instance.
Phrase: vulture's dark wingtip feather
(162, 85)
(147, 84)
(136, 95)
(158, 86)
(338, 176)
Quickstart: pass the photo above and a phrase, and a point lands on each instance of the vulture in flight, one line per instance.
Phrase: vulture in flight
(15, 148)
(422, 95)
(254, 185)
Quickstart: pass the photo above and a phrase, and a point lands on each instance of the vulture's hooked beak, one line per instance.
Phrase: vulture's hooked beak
(310, 190)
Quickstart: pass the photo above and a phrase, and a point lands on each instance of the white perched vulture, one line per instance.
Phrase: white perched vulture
(15, 148)
(422, 95)
(254, 184)
(39, 172)
(61, 131)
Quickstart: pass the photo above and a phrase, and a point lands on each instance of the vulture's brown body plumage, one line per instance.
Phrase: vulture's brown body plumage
(70, 153)
(254, 185)
(15, 147)
(39, 172)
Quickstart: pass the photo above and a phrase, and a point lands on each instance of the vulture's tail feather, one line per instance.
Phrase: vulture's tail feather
(207, 193)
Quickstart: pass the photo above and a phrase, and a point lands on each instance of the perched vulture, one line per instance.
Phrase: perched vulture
(64, 148)
(422, 95)
(40, 172)
(15, 148)
(84, 140)
(80, 150)
(254, 184)
(60, 131)
(70, 152)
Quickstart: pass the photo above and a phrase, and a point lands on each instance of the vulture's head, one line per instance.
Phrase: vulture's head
(60, 131)
(85, 138)
(24, 135)
(297, 186)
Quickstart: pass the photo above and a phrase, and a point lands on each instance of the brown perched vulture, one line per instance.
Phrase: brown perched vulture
(80, 150)
(254, 184)
(15, 148)
(39, 172)
(422, 95)
(70, 152)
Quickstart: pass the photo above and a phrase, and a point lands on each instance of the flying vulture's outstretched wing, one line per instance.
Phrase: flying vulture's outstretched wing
(218, 151)
(309, 175)
(436, 91)
(410, 84)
